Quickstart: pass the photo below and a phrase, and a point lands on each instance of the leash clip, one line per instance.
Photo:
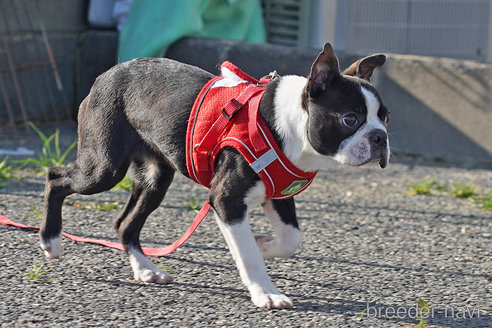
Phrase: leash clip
(268, 78)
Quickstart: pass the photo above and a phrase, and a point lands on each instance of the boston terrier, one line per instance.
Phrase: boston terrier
(135, 118)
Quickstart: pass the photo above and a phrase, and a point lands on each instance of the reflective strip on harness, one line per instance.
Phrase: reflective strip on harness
(266, 159)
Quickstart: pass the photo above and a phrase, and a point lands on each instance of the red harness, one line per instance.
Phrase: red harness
(225, 114)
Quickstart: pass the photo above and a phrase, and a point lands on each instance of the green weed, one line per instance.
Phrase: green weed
(35, 210)
(464, 190)
(6, 172)
(426, 186)
(361, 314)
(430, 186)
(95, 205)
(423, 312)
(125, 184)
(37, 271)
(51, 154)
(193, 204)
(160, 266)
(486, 200)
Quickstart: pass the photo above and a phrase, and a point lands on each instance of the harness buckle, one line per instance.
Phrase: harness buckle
(230, 116)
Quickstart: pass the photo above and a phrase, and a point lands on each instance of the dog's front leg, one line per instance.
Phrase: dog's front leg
(250, 264)
(235, 188)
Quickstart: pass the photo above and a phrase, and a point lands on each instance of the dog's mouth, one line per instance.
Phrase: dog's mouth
(362, 153)
(384, 158)
(383, 161)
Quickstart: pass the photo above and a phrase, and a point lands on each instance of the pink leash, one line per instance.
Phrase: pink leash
(146, 250)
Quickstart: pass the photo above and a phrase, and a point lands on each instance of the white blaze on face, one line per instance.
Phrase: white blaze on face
(356, 150)
(372, 104)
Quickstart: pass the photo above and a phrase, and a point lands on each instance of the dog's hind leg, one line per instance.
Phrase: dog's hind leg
(56, 189)
(282, 216)
(94, 176)
(151, 179)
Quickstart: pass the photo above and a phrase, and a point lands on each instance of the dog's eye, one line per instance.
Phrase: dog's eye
(387, 119)
(349, 120)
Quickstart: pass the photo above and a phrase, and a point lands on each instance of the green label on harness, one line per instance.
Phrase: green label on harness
(294, 187)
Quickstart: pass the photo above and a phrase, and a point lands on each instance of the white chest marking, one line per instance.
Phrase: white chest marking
(291, 124)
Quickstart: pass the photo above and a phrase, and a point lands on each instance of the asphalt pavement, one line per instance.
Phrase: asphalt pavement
(370, 251)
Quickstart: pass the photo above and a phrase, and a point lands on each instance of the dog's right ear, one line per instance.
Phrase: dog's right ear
(325, 68)
(364, 67)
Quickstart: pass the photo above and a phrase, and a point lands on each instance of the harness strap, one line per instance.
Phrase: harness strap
(146, 250)
(202, 149)
(255, 137)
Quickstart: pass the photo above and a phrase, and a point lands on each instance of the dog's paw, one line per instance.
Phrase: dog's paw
(270, 246)
(156, 275)
(51, 247)
(146, 271)
(266, 245)
(271, 301)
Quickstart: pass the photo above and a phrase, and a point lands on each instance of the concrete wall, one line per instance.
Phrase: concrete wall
(442, 108)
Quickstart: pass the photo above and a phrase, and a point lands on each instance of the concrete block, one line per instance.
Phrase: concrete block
(255, 59)
(441, 108)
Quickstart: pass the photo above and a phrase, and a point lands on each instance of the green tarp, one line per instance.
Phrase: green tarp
(153, 25)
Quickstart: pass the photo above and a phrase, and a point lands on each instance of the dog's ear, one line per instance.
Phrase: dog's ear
(325, 68)
(364, 67)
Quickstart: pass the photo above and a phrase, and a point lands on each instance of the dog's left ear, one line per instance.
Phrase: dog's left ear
(364, 67)
(325, 68)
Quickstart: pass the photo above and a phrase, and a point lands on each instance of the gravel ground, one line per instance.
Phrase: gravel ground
(370, 251)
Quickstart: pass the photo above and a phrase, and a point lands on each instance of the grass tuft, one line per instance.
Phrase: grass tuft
(486, 200)
(95, 205)
(37, 271)
(51, 153)
(464, 190)
(430, 186)
(125, 184)
(7, 172)
(160, 266)
(35, 210)
(193, 204)
(426, 186)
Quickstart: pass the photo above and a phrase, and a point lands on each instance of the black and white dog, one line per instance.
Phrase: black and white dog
(135, 117)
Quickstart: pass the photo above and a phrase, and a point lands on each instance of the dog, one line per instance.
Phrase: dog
(135, 118)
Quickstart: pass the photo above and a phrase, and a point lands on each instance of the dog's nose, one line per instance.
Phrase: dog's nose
(378, 137)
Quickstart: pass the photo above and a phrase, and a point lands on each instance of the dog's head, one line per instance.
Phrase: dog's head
(347, 117)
